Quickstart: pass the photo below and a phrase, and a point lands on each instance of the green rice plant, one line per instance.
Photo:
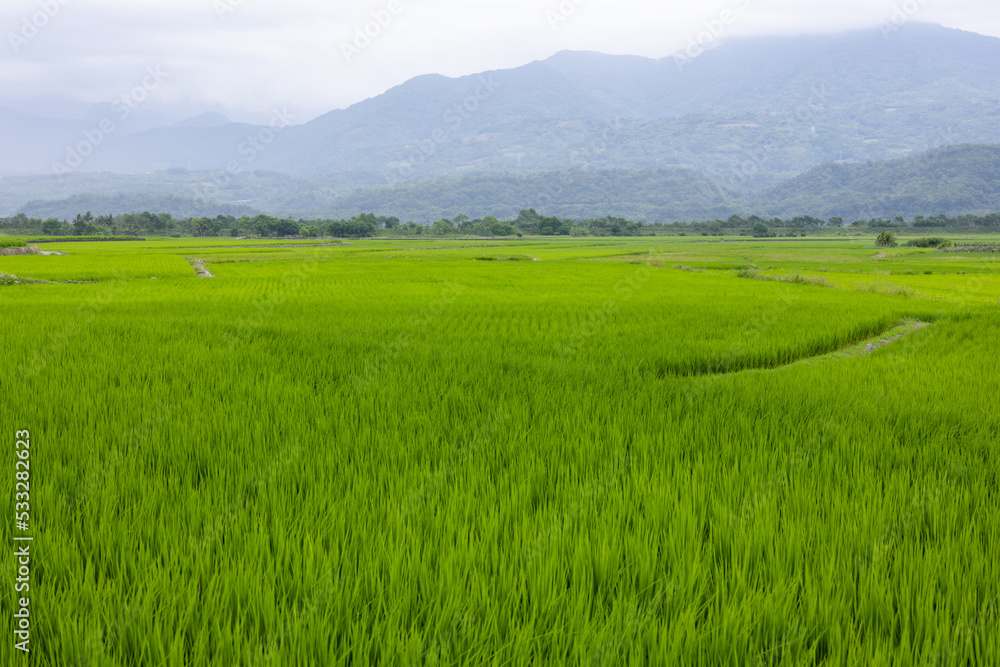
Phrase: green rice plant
(390, 454)
(11, 242)
(84, 239)
(794, 278)
(886, 288)
(504, 258)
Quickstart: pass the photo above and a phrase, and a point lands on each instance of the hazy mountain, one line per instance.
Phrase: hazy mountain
(653, 195)
(47, 106)
(783, 124)
(753, 111)
(30, 143)
(952, 181)
(121, 193)
(207, 119)
(179, 207)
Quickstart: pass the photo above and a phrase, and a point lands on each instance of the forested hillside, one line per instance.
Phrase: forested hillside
(949, 181)
(751, 112)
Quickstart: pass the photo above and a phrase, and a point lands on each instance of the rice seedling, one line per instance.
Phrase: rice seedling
(386, 453)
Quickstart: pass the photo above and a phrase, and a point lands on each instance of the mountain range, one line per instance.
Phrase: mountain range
(742, 125)
(953, 180)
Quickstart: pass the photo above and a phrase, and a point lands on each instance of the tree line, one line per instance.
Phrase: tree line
(528, 222)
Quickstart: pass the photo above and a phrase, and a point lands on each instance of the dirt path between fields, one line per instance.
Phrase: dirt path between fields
(866, 347)
(199, 267)
(908, 328)
(282, 245)
(862, 348)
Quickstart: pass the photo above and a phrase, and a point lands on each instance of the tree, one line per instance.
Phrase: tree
(528, 220)
(442, 227)
(82, 226)
(552, 226)
(760, 231)
(485, 226)
(806, 221)
(287, 227)
(886, 239)
(51, 227)
(358, 226)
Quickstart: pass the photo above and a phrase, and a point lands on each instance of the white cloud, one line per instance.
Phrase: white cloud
(252, 55)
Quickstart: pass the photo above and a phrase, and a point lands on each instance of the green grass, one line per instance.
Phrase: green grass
(82, 239)
(387, 453)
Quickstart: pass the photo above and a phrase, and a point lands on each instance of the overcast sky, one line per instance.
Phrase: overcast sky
(241, 56)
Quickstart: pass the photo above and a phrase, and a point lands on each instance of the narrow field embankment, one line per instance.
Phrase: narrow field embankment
(199, 267)
(858, 348)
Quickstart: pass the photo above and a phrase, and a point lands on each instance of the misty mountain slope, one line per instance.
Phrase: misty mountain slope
(843, 71)
(206, 119)
(653, 195)
(177, 206)
(260, 190)
(778, 104)
(951, 180)
(32, 143)
(229, 147)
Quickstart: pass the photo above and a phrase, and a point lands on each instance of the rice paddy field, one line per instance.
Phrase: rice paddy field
(474, 452)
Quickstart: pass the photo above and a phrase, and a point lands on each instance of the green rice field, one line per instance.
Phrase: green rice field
(653, 451)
